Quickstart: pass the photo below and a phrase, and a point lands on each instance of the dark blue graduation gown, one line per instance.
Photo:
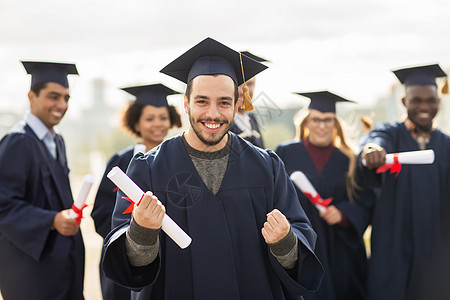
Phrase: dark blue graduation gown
(255, 141)
(106, 194)
(102, 214)
(35, 261)
(341, 250)
(228, 257)
(406, 225)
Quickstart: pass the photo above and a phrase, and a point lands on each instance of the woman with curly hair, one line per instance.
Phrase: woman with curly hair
(149, 119)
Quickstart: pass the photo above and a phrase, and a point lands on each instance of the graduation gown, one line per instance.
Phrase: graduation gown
(407, 219)
(106, 193)
(341, 250)
(228, 257)
(255, 127)
(35, 261)
(102, 214)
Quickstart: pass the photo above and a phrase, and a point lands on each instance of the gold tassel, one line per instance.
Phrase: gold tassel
(247, 104)
(366, 122)
(444, 89)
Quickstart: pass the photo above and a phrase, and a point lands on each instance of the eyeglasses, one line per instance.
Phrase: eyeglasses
(327, 122)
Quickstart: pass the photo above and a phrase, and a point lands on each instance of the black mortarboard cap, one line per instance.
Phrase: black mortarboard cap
(323, 101)
(420, 75)
(210, 57)
(49, 72)
(255, 57)
(152, 94)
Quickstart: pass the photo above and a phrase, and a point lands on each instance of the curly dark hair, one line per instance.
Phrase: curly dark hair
(133, 113)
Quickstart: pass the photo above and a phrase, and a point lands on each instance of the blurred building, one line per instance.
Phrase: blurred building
(93, 136)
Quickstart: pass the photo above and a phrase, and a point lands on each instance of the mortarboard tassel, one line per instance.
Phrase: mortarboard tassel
(366, 122)
(444, 89)
(247, 104)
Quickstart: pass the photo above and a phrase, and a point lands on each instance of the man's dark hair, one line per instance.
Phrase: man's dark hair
(189, 89)
(36, 88)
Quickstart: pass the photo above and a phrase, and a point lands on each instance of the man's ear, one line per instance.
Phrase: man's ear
(32, 97)
(239, 102)
(404, 101)
(186, 104)
(236, 107)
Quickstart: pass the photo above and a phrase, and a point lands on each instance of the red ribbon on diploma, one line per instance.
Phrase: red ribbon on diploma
(79, 212)
(131, 207)
(395, 167)
(319, 201)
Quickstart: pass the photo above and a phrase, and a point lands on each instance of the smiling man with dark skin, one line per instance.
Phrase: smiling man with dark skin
(250, 236)
(422, 104)
(408, 214)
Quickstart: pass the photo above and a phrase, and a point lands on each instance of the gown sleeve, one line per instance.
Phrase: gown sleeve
(105, 200)
(23, 224)
(308, 274)
(359, 210)
(115, 261)
(383, 136)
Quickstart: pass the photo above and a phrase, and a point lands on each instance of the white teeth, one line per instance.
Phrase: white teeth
(56, 114)
(423, 115)
(212, 125)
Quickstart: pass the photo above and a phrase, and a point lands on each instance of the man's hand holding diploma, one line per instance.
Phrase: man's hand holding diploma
(150, 212)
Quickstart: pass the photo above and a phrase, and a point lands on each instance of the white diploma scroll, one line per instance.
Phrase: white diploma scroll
(421, 157)
(139, 148)
(79, 202)
(303, 183)
(133, 192)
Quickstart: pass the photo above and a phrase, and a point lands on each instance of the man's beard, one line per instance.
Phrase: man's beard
(202, 138)
(419, 128)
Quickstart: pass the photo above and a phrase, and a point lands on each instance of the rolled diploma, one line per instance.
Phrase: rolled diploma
(421, 157)
(79, 202)
(139, 148)
(302, 182)
(133, 192)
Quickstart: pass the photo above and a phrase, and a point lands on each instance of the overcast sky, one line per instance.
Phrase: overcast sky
(345, 46)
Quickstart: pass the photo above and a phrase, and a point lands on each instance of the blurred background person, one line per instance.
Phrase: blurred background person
(410, 217)
(245, 124)
(149, 118)
(323, 155)
(41, 248)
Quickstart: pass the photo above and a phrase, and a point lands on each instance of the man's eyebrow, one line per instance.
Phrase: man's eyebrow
(201, 97)
(226, 98)
(53, 93)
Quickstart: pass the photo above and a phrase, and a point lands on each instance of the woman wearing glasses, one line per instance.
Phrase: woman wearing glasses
(323, 155)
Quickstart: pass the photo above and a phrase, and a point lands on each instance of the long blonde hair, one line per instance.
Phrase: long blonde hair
(338, 142)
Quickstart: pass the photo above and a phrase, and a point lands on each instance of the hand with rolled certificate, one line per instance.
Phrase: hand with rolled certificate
(394, 161)
(80, 202)
(303, 183)
(135, 194)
